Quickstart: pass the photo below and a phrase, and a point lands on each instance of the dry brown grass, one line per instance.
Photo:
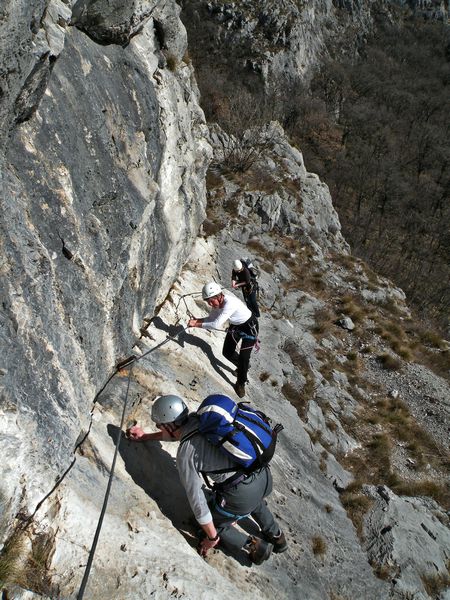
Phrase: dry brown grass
(323, 321)
(439, 492)
(389, 362)
(10, 556)
(258, 247)
(319, 545)
(383, 572)
(372, 463)
(212, 227)
(315, 436)
(259, 179)
(297, 398)
(414, 342)
(290, 392)
(35, 574)
(356, 505)
(435, 584)
(172, 62)
(267, 266)
(29, 570)
(351, 306)
(214, 180)
(323, 461)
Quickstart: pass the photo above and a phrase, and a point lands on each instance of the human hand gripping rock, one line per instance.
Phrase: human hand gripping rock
(135, 433)
(206, 544)
(194, 323)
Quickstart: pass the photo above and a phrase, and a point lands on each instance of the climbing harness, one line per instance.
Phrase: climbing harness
(238, 334)
(225, 513)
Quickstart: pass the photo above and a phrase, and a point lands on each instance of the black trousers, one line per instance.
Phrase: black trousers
(247, 334)
(252, 303)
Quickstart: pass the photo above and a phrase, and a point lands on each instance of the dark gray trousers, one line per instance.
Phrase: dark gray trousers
(246, 498)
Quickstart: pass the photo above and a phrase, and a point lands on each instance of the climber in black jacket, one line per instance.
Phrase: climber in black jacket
(241, 277)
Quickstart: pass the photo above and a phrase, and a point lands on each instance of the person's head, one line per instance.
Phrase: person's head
(169, 412)
(237, 265)
(212, 294)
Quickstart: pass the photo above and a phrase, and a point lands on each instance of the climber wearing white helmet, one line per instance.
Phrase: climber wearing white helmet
(241, 277)
(243, 328)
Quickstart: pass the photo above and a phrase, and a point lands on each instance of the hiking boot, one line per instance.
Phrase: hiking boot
(240, 390)
(279, 542)
(258, 550)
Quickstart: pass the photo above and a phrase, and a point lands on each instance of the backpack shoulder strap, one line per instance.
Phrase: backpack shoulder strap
(189, 435)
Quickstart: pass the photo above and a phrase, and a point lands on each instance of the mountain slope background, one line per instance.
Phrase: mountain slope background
(364, 94)
(119, 202)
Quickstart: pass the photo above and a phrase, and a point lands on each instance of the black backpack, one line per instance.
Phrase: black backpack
(253, 269)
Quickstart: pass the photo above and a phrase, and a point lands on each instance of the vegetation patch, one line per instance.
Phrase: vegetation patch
(435, 584)
(395, 217)
(172, 62)
(351, 307)
(323, 322)
(29, 570)
(319, 545)
(356, 505)
(389, 362)
(13, 550)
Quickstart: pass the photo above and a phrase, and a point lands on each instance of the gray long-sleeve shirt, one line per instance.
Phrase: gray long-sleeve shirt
(194, 456)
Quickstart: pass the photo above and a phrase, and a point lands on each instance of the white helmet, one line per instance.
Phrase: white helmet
(169, 409)
(237, 265)
(211, 289)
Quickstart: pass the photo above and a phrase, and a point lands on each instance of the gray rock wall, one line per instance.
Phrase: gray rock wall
(269, 45)
(102, 194)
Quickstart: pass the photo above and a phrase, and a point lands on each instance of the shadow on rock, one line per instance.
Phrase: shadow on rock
(193, 340)
(154, 470)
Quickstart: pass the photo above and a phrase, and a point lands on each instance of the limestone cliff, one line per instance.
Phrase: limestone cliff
(102, 194)
(110, 225)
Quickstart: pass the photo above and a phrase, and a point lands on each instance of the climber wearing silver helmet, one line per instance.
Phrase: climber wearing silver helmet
(246, 495)
(243, 328)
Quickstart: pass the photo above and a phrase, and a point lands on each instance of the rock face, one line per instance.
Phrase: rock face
(102, 194)
(273, 44)
(103, 165)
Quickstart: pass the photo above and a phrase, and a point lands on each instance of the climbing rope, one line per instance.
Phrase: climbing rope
(127, 362)
(130, 361)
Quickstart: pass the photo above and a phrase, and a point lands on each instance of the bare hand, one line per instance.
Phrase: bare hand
(135, 433)
(205, 545)
(193, 323)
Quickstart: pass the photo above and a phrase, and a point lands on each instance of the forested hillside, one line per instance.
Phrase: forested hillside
(378, 131)
(372, 120)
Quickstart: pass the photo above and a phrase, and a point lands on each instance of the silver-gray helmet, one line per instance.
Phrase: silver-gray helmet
(169, 409)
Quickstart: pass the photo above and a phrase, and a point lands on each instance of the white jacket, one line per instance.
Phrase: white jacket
(233, 310)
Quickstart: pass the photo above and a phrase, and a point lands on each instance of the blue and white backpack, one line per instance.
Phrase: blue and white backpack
(239, 431)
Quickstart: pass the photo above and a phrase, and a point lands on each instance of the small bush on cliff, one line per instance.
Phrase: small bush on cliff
(319, 546)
